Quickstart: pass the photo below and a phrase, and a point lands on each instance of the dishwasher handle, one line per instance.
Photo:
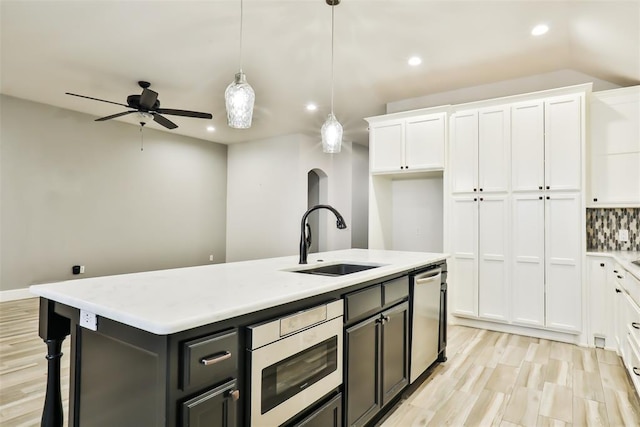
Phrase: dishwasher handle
(428, 276)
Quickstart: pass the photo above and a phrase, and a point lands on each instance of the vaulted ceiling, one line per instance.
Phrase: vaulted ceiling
(189, 51)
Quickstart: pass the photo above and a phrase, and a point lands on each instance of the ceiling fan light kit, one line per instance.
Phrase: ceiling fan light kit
(331, 130)
(239, 96)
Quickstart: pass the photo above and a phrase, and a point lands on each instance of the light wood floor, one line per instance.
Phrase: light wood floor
(489, 379)
(497, 379)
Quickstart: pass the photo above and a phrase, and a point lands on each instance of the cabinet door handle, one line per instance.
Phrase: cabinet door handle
(635, 371)
(601, 264)
(615, 271)
(234, 394)
(618, 291)
(595, 200)
(635, 325)
(215, 358)
(619, 277)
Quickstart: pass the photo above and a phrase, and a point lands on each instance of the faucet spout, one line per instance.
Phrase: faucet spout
(305, 241)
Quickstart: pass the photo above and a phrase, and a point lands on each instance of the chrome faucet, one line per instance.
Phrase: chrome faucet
(305, 230)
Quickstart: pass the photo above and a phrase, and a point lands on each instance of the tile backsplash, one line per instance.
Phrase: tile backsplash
(603, 225)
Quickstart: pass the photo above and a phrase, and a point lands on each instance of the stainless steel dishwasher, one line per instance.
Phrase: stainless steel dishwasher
(425, 321)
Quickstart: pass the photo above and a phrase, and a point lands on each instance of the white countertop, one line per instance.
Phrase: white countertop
(624, 258)
(169, 301)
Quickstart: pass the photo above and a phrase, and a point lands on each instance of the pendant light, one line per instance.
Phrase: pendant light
(331, 130)
(239, 96)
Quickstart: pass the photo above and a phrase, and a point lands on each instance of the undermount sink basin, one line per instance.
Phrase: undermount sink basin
(336, 269)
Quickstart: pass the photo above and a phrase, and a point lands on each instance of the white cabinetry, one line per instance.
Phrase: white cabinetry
(601, 298)
(523, 164)
(615, 148)
(413, 143)
(480, 150)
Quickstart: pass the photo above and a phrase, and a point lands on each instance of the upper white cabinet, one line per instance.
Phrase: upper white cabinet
(480, 147)
(615, 148)
(546, 138)
(563, 129)
(412, 143)
(527, 146)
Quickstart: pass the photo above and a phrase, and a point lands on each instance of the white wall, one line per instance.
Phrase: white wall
(79, 192)
(517, 86)
(267, 196)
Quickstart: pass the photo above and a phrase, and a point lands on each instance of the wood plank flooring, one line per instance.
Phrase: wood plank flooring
(489, 379)
(498, 379)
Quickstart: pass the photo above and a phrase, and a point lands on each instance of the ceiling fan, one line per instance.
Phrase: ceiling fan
(148, 104)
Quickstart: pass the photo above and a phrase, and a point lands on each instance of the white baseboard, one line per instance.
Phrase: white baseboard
(15, 294)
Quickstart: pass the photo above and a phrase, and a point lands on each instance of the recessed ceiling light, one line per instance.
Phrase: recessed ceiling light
(414, 61)
(539, 30)
(210, 129)
(311, 107)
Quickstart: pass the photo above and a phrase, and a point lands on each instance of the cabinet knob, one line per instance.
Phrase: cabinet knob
(548, 188)
(401, 167)
(595, 200)
(615, 271)
(475, 189)
(602, 264)
(540, 197)
(481, 189)
(618, 291)
(540, 188)
(548, 198)
(481, 198)
(619, 277)
(406, 167)
(475, 199)
(234, 394)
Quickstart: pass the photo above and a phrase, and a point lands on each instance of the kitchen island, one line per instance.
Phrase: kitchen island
(132, 333)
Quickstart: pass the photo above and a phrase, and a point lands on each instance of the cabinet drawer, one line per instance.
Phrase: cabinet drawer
(216, 407)
(362, 303)
(395, 290)
(209, 360)
(633, 362)
(632, 318)
(632, 285)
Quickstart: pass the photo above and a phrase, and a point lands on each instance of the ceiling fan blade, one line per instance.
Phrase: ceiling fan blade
(185, 113)
(148, 98)
(96, 99)
(164, 121)
(113, 116)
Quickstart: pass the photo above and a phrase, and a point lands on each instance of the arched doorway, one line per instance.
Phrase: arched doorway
(317, 195)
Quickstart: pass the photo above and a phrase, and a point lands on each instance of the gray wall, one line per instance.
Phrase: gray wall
(74, 191)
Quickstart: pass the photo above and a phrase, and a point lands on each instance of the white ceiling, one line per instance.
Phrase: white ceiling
(189, 51)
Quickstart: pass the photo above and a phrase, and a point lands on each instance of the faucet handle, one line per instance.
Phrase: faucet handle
(307, 238)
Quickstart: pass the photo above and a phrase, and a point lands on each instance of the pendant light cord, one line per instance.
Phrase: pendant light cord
(332, 26)
(241, 13)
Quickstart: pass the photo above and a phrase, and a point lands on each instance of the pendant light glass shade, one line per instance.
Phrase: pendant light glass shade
(331, 132)
(239, 96)
(239, 99)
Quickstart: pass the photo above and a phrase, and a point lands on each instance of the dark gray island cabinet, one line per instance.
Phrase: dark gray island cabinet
(186, 361)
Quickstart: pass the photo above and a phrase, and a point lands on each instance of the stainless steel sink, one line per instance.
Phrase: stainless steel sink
(336, 269)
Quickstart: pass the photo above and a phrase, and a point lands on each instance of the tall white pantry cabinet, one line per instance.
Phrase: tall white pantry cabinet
(517, 211)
